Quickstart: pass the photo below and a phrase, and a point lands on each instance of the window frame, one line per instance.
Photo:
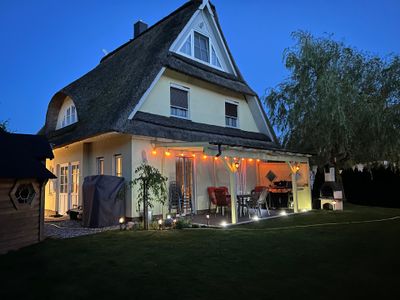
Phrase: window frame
(117, 156)
(183, 88)
(210, 46)
(99, 160)
(231, 117)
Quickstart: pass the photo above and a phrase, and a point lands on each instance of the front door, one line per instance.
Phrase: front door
(184, 179)
(68, 195)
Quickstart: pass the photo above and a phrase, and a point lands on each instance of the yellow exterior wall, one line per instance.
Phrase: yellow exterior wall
(206, 101)
(86, 153)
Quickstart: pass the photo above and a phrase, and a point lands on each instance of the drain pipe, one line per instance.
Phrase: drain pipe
(219, 151)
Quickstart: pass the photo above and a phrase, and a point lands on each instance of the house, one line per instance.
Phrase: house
(173, 97)
(23, 176)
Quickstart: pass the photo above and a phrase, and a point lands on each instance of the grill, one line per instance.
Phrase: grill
(331, 193)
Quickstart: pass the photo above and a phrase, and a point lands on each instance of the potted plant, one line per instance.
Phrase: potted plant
(152, 188)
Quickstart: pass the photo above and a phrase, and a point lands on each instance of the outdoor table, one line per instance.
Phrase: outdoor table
(242, 202)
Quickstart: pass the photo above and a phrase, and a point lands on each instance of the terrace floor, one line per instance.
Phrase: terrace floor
(218, 219)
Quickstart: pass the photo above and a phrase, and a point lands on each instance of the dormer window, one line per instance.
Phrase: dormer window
(68, 114)
(199, 47)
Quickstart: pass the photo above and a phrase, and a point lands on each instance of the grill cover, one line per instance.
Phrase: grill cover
(103, 200)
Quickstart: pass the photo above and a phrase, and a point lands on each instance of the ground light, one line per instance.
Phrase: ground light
(121, 222)
(255, 218)
(283, 213)
(224, 224)
(208, 219)
(160, 224)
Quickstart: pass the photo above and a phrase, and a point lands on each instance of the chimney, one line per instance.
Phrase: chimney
(138, 28)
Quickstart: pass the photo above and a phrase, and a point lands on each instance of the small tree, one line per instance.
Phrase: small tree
(152, 188)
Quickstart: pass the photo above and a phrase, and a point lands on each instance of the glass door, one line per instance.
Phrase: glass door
(184, 180)
(74, 185)
(62, 206)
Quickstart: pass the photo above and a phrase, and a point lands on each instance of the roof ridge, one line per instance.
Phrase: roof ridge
(148, 29)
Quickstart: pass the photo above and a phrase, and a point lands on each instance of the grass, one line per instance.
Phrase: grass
(251, 261)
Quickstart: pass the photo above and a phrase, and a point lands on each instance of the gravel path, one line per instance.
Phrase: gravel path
(70, 228)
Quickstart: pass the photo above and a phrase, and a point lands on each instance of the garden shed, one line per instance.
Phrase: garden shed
(23, 176)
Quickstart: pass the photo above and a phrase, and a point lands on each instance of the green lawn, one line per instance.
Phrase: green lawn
(256, 261)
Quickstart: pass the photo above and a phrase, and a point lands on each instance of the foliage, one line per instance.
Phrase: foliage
(183, 223)
(3, 126)
(155, 183)
(338, 103)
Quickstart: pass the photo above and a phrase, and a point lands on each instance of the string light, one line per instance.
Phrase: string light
(204, 156)
(258, 160)
(194, 155)
(215, 158)
(154, 152)
(181, 154)
(167, 153)
(242, 158)
(250, 159)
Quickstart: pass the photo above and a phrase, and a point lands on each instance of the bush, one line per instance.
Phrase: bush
(182, 223)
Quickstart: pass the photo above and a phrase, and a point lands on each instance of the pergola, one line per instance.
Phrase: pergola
(234, 153)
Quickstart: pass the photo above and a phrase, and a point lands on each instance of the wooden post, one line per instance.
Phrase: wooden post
(229, 165)
(293, 171)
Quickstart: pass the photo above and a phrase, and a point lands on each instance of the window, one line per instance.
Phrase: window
(231, 114)
(187, 46)
(179, 99)
(118, 165)
(214, 58)
(100, 165)
(201, 47)
(69, 116)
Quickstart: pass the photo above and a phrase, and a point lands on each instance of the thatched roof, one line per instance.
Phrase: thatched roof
(105, 96)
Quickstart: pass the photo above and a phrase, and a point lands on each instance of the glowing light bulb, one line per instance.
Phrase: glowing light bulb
(224, 224)
(154, 152)
(167, 153)
(204, 156)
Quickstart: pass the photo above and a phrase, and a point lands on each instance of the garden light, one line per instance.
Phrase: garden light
(283, 213)
(121, 222)
(208, 219)
(224, 224)
(168, 216)
(256, 218)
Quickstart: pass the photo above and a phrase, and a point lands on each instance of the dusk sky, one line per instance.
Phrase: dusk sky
(45, 45)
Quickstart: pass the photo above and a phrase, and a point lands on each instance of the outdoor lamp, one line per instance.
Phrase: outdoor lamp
(160, 223)
(256, 218)
(208, 219)
(121, 222)
(168, 216)
(224, 224)
(237, 165)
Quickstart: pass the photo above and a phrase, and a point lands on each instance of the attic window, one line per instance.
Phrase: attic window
(231, 114)
(187, 46)
(199, 47)
(68, 114)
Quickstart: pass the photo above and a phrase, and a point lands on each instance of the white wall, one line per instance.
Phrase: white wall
(206, 101)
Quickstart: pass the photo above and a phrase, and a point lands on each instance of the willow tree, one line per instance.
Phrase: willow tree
(338, 103)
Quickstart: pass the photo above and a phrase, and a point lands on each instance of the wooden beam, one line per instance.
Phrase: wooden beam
(230, 167)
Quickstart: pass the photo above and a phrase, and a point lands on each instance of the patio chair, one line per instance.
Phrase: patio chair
(257, 199)
(211, 197)
(223, 199)
(175, 198)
